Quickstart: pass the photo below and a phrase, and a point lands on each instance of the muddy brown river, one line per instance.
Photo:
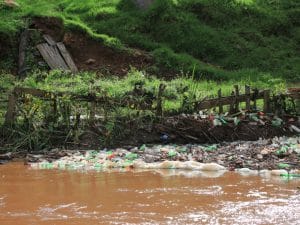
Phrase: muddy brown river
(40, 197)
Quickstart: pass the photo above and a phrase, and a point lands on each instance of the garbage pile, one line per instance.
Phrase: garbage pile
(270, 154)
(203, 128)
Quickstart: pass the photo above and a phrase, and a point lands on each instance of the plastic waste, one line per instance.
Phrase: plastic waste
(277, 122)
(282, 150)
(236, 121)
(217, 122)
(143, 147)
(164, 138)
(172, 153)
(211, 148)
(131, 156)
(290, 175)
(294, 128)
(283, 166)
(254, 117)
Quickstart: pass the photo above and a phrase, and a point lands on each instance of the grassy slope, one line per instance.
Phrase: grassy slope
(218, 39)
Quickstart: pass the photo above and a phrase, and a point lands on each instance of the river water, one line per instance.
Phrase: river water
(40, 197)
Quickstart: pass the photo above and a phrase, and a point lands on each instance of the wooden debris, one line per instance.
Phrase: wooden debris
(56, 55)
(49, 40)
(52, 56)
(67, 57)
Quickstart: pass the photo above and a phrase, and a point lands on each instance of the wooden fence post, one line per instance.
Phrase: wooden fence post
(220, 103)
(11, 109)
(247, 92)
(22, 53)
(231, 107)
(92, 111)
(237, 93)
(255, 94)
(266, 101)
(159, 111)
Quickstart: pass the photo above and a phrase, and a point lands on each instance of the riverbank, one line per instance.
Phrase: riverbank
(270, 154)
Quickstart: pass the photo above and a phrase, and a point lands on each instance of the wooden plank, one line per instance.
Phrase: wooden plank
(52, 56)
(22, 53)
(67, 57)
(49, 40)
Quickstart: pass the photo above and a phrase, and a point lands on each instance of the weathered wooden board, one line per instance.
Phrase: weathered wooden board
(67, 57)
(52, 56)
(49, 40)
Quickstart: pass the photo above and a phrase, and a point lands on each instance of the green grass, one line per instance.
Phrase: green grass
(218, 39)
(116, 88)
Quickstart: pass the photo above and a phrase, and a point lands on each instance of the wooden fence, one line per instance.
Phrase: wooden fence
(236, 98)
(250, 98)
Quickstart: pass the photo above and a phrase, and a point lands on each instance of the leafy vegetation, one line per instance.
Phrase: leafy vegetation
(130, 100)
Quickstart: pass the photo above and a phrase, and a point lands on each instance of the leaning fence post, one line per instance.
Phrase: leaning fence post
(247, 92)
(159, 110)
(231, 107)
(11, 109)
(266, 101)
(220, 103)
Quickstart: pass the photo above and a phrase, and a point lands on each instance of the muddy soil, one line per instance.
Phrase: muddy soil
(92, 55)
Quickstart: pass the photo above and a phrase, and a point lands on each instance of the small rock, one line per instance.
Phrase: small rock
(90, 61)
(264, 152)
(259, 156)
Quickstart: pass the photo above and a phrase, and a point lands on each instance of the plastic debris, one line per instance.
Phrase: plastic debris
(283, 166)
(277, 122)
(131, 156)
(172, 153)
(211, 148)
(253, 155)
